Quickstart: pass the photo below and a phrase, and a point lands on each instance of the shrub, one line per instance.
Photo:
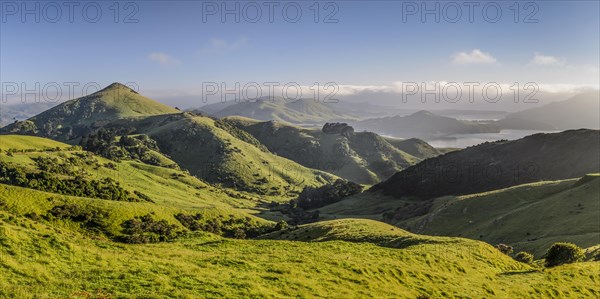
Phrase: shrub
(313, 198)
(524, 257)
(281, 225)
(506, 249)
(563, 253)
(144, 229)
(91, 218)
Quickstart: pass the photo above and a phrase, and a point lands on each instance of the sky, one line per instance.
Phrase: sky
(172, 50)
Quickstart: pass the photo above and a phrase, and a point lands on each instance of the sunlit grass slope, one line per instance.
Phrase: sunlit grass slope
(39, 261)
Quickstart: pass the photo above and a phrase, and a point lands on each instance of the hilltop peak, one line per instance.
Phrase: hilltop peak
(117, 86)
(422, 113)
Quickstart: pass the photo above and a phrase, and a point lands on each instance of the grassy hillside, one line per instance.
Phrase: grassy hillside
(361, 157)
(128, 188)
(489, 166)
(80, 116)
(303, 111)
(415, 147)
(19, 142)
(45, 261)
(208, 148)
(222, 154)
(529, 217)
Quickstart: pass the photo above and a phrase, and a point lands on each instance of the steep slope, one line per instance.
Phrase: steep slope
(422, 124)
(222, 154)
(529, 217)
(361, 157)
(580, 111)
(80, 116)
(500, 164)
(415, 147)
(35, 179)
(302, 111)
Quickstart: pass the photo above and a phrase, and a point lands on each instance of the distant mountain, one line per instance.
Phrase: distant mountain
(500, 164)
(303, 111)
(80, 116)
(361, 157)
(422, 124)
(17, 112)
(415, 147)
(580, 111)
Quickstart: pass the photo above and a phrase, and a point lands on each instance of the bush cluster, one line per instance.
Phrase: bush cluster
(108, 144)
(524, 257)
(144, 229)
(506, 249)
(46, 181)
(312, 198)
(563, 253)
(239, 228)
(90, 218)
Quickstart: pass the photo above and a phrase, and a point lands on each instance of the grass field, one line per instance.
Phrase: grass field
(39, 261)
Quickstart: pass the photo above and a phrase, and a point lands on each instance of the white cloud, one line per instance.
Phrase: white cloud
(163, 58)
(220, 45)
(476, 56)
(540, 59)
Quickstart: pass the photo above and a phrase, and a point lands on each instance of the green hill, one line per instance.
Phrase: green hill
(415, 147)
(529, 217)
(19, 142)
(80, 116)
(222, 154)
(125, 189)
(500, 164)
(303, 111)
(361, 157)
(208, 148)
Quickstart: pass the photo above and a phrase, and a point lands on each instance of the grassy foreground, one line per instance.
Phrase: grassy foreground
(38, 261)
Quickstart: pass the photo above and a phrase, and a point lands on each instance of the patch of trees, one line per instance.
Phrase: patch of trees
(91, 218)
(312, 198)
(47, 181)
(145, 229)
(115, 144)
(232, 227)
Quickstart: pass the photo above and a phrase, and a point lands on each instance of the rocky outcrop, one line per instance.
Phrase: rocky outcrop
(338, 128)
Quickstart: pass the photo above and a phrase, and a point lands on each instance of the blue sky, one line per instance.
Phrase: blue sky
(171, 50)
